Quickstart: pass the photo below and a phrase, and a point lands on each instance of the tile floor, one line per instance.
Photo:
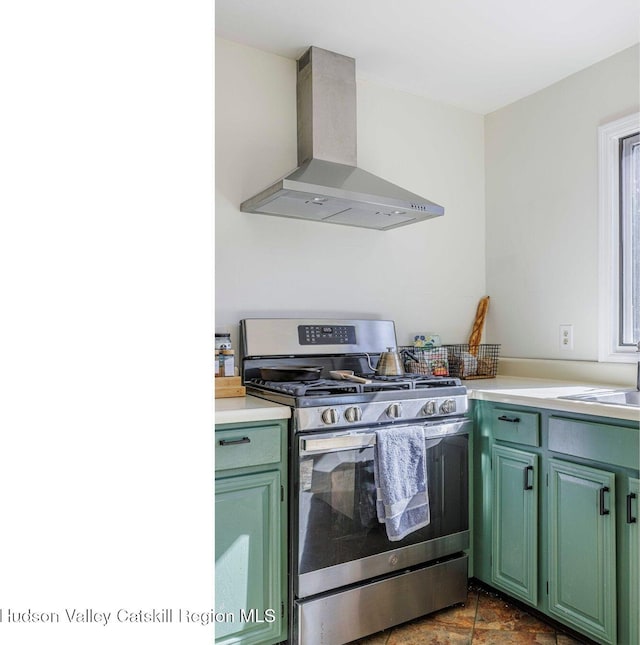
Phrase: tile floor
(485, 618)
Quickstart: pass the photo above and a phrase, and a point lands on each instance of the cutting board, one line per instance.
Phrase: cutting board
(228, 386)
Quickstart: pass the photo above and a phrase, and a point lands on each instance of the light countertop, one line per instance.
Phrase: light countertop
(544, 393)
(240, 409)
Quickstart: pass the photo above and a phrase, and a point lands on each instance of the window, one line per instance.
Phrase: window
(619, 158)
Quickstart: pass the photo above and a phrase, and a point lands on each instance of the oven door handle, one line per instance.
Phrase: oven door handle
(337, 443)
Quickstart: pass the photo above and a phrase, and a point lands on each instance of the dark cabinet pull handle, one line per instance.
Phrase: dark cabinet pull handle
(603, 510)
(234, 442)
(630, 518)
(527, 485)
(509, 419)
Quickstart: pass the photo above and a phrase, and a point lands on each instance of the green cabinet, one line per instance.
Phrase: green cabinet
(570, 545)
(515, 522)
(632, 525)
(247, 550)
(250, 534)
(516, 426)
(582, 548)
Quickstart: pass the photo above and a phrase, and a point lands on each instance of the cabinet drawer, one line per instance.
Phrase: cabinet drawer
(247, 447)
(602, 442)
(516, 426)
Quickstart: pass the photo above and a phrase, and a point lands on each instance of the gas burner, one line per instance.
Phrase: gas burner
(413, 381)
(422, 381)
(379, 377)
(386, 383)
(321, 387)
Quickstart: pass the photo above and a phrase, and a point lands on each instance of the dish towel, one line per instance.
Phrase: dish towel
(400, 473)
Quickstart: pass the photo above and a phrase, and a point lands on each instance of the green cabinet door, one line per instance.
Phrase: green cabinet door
(248, 565)
(515, 523)
(582, 548)
(633, 528)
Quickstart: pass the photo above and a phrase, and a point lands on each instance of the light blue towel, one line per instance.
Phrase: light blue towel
(400, 472)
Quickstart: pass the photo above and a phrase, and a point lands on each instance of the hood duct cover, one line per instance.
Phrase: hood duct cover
(327, 186)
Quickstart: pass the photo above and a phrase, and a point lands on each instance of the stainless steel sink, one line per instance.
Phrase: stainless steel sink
(612, 397)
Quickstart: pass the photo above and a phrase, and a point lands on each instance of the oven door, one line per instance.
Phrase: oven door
(338, 539)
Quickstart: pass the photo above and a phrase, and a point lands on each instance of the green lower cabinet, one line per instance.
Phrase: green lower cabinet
(582, 548)
(247, 559)
(633, 532)
(515, 523)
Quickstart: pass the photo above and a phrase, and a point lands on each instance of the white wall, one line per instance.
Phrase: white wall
(542, 209)
(427, 276)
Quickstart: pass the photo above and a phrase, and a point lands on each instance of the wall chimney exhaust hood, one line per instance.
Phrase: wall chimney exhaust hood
(327, 186)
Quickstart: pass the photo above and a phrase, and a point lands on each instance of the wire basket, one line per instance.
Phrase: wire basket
(473, 361)
(432, 361)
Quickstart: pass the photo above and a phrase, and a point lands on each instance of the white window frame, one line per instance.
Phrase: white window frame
(609, 135)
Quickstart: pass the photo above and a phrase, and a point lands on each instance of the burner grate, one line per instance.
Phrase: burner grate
(308, 388)
(329, 387)
(413, 381)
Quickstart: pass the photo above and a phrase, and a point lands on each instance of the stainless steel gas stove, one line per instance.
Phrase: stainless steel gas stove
(347, 578)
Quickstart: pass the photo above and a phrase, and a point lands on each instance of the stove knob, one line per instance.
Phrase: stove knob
(394, 411)
(353, 414)
(330, 416)
(429, 409)
(448, 406)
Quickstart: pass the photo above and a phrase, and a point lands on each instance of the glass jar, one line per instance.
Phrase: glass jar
(223, 341)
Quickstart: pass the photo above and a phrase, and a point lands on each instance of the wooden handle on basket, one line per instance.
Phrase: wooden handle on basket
(478, 324)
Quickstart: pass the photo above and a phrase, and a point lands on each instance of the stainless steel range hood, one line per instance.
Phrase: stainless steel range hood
(327, 186)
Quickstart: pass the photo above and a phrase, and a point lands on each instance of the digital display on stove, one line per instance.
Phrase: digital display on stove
(325, 335)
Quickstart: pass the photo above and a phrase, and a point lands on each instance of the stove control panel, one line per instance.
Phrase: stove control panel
(373, 413)
(327, 334)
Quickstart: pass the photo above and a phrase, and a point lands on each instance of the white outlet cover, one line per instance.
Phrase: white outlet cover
(566, 337)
